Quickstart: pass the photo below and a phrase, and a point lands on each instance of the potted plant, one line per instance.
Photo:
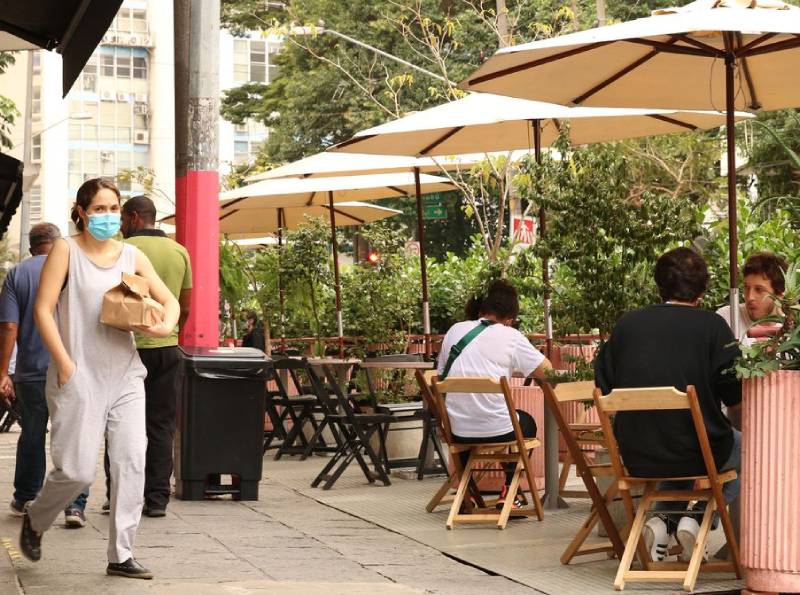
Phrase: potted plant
(770, 370)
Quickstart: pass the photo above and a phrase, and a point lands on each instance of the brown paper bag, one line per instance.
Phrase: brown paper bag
(129, 305)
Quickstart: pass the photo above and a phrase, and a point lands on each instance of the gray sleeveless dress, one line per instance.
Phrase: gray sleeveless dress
(105, 396)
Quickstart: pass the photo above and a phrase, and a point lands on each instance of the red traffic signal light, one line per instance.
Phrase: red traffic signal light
(373, 258)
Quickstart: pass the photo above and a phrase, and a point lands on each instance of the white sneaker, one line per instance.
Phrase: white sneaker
(656, 538)
(688, 528)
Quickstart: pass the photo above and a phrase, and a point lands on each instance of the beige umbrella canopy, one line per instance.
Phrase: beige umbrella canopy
(296, 193)
(240, 224)
(490, 123)
(300, 192)
(710, 54)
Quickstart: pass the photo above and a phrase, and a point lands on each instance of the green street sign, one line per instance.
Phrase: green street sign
(434, 211)
(433, 199)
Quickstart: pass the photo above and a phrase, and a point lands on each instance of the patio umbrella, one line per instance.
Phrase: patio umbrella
(71, 27)
(238, 224)
(710, 54)
(340, 164)
(286, 193)
(485, 122)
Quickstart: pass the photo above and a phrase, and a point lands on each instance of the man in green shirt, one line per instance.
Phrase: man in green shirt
(160, 356)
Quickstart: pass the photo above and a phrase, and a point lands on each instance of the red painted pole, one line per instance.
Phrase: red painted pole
(196, 175)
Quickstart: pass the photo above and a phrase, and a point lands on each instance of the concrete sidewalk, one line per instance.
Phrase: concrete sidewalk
(287, 543)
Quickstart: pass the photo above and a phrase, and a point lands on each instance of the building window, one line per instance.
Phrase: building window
(124, 67)
(139, 67)
(107, 65)
(241, 153)
(139, 20)
(250, 61)
(258, 62)
(36, 148)
(35, 204)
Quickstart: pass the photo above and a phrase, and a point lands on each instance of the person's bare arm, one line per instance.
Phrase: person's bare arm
(735, 415)
(161, 294)
(8, 336)
(185, 302)
(542, 371)
(54, 273)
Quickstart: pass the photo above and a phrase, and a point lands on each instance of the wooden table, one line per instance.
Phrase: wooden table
(341, 366)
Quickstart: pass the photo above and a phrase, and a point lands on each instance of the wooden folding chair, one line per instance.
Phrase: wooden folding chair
(707, 488)
(588, 471)
(515, 451)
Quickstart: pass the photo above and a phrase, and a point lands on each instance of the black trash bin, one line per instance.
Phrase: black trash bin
(220, 422)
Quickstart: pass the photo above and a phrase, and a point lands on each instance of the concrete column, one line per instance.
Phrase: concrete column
(196, 165)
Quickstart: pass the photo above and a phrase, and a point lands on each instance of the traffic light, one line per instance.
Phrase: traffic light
(373, 257)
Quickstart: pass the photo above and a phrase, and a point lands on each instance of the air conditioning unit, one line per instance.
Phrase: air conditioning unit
(107, 95)
(111, 38)
(141, 137)
(140, 108)
(134, 40)
(122, 96)
(147, 42)
(141, 97)
(106, 155)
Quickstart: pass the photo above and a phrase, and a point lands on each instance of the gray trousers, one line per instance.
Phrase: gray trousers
(80, 415)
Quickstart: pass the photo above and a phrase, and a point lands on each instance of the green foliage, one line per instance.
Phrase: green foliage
(382, 300)
(308, 278)
(8, 110)
(607, 271)
(782, 351)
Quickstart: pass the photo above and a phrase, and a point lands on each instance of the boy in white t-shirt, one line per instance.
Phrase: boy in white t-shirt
(499, 350)
(763, 276)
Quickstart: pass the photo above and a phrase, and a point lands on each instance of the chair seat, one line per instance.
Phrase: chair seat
(724, 477)
(377, 418)
(529, 443)
(585, 427)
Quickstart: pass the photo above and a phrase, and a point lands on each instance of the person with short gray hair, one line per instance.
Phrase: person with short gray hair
(17, 327)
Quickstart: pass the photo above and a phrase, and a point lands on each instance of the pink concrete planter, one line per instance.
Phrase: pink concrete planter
(530, 399)
(770, 531)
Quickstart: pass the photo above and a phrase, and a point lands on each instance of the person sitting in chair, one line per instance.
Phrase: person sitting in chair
(676, 344)
(495, 349)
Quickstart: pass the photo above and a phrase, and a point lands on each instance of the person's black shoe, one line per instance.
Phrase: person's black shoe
(154, 512)
(30, 542)
(130, 568)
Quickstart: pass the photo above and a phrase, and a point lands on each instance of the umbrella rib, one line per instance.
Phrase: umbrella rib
(615, 77)
(354, 140)
(226, 215)
(440, 140)
(756, 42)
(674, 121)
(348, 216)
(535, 63)
(310, 200)
(234, 202)
(786, 44)
(699, 44)
(398, 190)
(748, 78)
(669, 47)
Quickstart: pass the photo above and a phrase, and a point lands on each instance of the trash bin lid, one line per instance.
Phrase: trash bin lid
(225, 358)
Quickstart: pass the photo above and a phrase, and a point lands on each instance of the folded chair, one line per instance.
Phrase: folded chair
(515, 451)
(302, 409)
(588, 471)
(353, 431)
(707, 488)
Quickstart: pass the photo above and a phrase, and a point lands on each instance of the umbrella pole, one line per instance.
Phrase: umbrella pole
(281, 291)
(423, 267)
(336, 280)
(733, 239)
(548, 321)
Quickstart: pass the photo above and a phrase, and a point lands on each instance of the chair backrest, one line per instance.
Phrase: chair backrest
(424, 380)
(475, 385)
(663, 398)
(331, 393)
(395, 357)
(569, 392)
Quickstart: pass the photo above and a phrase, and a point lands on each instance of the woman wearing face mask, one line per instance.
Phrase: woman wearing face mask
(95, 383)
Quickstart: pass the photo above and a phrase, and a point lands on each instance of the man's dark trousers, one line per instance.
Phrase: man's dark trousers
(161, 399)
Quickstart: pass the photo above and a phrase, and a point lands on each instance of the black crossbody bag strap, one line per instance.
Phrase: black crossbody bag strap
(456, 349)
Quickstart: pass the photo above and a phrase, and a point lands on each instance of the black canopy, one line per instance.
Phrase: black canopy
(71, 27)
(10, 189)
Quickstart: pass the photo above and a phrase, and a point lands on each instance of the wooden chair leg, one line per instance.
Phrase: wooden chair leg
(634, 536)
(730, 535)
(699, 548)
(511, 494)
(575, 545)
(440, 493)
(562, 479)
(462, 490)
(532, 487)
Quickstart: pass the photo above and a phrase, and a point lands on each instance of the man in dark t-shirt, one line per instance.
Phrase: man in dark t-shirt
(674, 344)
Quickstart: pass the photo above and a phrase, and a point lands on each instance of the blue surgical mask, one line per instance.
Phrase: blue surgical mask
(104, 226)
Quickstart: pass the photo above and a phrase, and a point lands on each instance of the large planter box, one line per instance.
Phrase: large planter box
(770, 530)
